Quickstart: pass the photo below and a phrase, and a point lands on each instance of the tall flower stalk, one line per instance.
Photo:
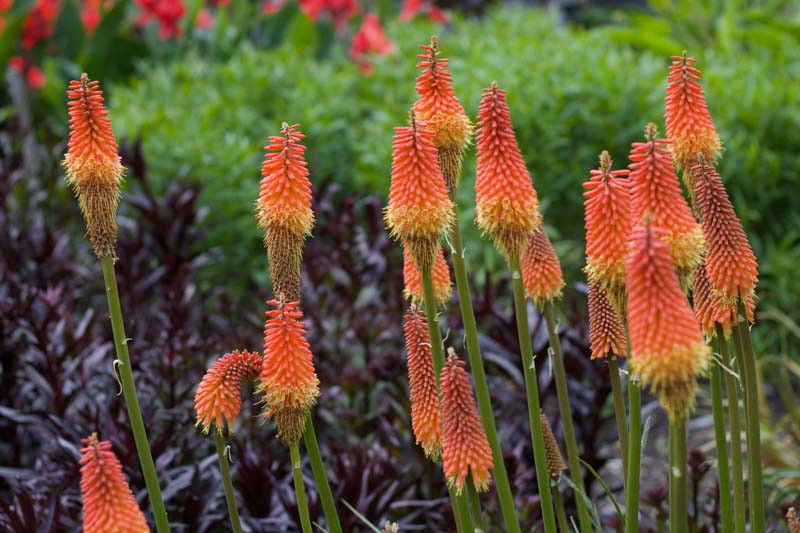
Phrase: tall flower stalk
(94, 172)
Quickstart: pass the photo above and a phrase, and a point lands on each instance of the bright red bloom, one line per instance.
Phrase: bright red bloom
(437, 15)
(270, 7)
(339, 10)
(442, 285)
(168, 13)
(34, 76)
(606, 333)
(218, 399)
(412, 8)
(369, 39)
(5, 5)
(40, 23)
(541, 271)
(90, 14)
(204, 19)
(108, 503)
(507, 207)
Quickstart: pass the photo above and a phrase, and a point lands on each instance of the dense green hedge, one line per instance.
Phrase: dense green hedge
(572, 94)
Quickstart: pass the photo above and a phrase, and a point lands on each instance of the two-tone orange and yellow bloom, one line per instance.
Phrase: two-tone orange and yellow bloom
(606, 333)
(541, 270)
(440, 273)
(218, 397)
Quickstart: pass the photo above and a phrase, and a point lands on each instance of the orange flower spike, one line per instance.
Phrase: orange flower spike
(607, 214)
(711, 309)
(730, 262)
(606, 333)
(442, 285)
(689, 125)
(108, 503)
(507, 208)
(667, 344)
(426, 413)
(465, 450)
(92, 163)
(288, 379)
(655, 189)
(541, 271)
(218, 397)
(419, 211)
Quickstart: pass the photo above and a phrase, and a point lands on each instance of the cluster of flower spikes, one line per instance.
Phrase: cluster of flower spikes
(92, 163)
(439, 106)
(507, 208)
(440, 273)
(606, 332)
(426, 413)
(218, 398)
(667, 344)
(283, 209)
(108, 503)
(420, 211)
(656, 192)
(555, 461)
(541, 270)
(288, 379)
(465, 449)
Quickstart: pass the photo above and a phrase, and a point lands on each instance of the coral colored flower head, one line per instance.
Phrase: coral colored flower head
(667, 344)
(507, 208)
(689, 126)
(465, 450)
(426, 412)
(92, 163)
(711, 309)
(288, 379)
(108, 503)
(442, 285)
(419, 211)
(218, 398)
(656, 192)
(541, 271)
(606, 333)
(607, 215)
(555, 461)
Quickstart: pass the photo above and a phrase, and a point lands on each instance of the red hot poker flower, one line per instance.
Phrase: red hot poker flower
(108, 503)
(541, 271)
(442, 285)
(218, 397)
(606, 333)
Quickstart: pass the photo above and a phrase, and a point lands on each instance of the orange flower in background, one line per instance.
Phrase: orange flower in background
(689, 126)
(92, 163)
(108, 503)
(667, 344)
(465, 450)
(442, 285)
(541, 271)
(606, 333)
(656, 191)
(218, 398)
(419, 211)
(607, 215)
(730, 262)
(426, 413)
(507, 208)
(288, 379)
(555, 461)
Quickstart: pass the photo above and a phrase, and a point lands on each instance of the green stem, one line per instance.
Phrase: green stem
(561, 513)
(481, 386)
(725, 502)
(131, 399)
(474, 505)
(732, 391)
(225, 470)
(299, 487)
(619, 413)
(678, 505)
(320, 477)
(457, 516)
(584, 521)
(532, 393)
(634, 456)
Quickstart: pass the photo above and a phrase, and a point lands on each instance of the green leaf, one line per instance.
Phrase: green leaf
(101, 50)
(10, 36)
(361, 517)
(69, 32)
(607, 490)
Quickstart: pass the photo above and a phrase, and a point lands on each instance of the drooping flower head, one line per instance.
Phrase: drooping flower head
(284, 209)
(656, 191)
(465, 450)
(440, 107)
(541, 271)
(419, 211)
(426, 413)
(689, 126)
(108, 503)
(442, 285)
(607, 215)
(507, 208)
(667, 344)
(711, 308)
(555, 461)
(730, 262)
(218, 398)
(92, 163)
(288, 379)
(606, 333)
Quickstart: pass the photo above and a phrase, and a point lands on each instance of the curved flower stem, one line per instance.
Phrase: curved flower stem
(230, 497)
(532, 393)
(299, 487)
(634, 456)
(573, 457)
(481, 386)
(320, 477)
(561, 514)
(474, 505)
(131, 399)
(678, 512)
(619, 413)
(725, 503)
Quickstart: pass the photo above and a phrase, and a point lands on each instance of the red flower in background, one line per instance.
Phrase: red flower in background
(40, 22)
(34, 76)
(167, 12)
(204, 19)
(412, 8)
(369, 39)
(339, 10)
